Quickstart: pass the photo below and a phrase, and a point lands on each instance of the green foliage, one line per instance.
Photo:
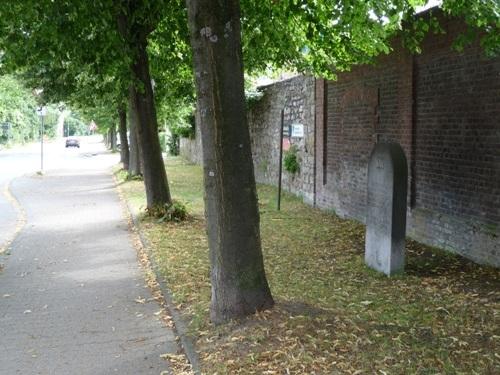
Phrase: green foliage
(178, 117)
(43, 40)
(417, 28)
(176, 212)
(135, 177)
(319, 37)
(173, 144)
(252, 94)
(18, 120)
(324, 37)
(73, 125)
(483, 17)
(291, 160)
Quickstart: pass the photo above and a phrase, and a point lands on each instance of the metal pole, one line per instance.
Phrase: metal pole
(41, 146)
(281, 157)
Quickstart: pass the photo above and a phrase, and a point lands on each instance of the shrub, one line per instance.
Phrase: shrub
(291, 160)
(176, 212)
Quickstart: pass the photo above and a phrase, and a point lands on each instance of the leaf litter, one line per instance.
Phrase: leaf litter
(333, 315)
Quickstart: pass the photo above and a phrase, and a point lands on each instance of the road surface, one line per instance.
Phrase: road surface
(72, 296)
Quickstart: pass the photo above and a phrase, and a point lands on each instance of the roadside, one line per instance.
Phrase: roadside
(333, 315)
(12, 219)
(11, 214)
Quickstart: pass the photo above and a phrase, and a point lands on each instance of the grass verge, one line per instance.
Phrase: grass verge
(333, 315)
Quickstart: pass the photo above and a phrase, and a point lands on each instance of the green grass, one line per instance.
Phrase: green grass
(333, 315)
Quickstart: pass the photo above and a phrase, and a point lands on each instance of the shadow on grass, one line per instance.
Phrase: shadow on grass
(463, 274)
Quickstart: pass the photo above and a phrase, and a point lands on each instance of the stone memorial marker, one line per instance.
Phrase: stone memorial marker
(386, 209)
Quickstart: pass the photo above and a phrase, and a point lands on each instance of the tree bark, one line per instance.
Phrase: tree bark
(155, 176)
(239, 284)
(112, 137)
(142, 97)
(135, 160)
(124, 151)
(134, 28)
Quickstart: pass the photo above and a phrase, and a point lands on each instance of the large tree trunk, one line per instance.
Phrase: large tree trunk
(124, 151)
(135, 160)
(155, 176)
(239, 284)
(141, 94)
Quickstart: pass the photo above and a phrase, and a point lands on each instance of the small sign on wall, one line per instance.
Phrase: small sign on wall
(286, 131)
(297, 131)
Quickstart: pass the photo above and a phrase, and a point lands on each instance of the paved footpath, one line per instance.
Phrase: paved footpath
(71, 286)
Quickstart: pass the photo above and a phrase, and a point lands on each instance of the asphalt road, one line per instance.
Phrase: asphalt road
(21, 160)
(72, 296)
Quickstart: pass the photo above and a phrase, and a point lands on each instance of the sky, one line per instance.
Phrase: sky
(430, 4)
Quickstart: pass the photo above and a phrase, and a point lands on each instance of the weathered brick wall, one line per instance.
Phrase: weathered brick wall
(366, 104)
(296, 97)
(457, 169)
(451, 137)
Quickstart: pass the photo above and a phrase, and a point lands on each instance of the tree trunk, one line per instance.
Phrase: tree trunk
(239, 284)
(142, 97)
(155, 176)
(135, 163)
(124, 151)
(112, 137)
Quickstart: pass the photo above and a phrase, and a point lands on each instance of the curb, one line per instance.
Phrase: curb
(20, 220)
(180, 327)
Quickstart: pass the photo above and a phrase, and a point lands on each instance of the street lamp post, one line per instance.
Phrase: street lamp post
(42, 111)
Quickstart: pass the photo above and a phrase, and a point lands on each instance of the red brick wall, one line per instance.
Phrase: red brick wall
(457, 128)
(366, 103)
(443, 107)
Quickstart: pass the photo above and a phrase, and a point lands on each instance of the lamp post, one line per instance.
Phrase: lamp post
(42, 111)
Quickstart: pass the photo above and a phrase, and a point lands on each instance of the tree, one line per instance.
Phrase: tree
(74, 43)
(135, 161)
(136, 20)
(122, 129)
(18, 120)
(239, 284)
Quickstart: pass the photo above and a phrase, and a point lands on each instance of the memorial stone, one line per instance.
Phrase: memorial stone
(386, 209)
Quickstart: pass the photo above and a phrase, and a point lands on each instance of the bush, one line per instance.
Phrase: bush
(291, 160)
(173, 144)
(175, 212)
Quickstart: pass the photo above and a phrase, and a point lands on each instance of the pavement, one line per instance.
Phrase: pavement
(73, 298)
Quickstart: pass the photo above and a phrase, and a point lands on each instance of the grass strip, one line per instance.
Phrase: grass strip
(333, 314)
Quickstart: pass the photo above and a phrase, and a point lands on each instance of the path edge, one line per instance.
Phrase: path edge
(20, 217)
(180, 326)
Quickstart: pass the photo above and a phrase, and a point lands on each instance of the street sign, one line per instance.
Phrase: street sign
(286, 131)
(42, 111)
(297, 130)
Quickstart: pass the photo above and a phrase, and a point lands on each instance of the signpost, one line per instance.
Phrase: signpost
(42, 112)
(281, 157)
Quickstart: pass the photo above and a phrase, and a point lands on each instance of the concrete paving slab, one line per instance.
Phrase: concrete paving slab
(69, 288)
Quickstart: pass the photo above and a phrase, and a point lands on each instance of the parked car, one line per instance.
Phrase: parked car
(72, 142)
